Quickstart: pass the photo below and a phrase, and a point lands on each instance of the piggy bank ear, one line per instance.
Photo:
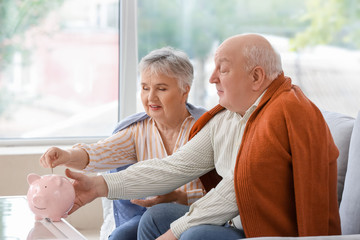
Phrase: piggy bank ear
(32, 177)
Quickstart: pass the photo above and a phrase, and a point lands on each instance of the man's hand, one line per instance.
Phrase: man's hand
(177, 196)
(86, 188)
(167, 236)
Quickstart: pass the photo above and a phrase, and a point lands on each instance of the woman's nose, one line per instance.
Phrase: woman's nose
(152, 95)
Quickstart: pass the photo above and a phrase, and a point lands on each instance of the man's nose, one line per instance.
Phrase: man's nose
(214, 78)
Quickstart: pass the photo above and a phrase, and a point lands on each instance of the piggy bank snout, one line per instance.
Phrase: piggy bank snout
(39, 200)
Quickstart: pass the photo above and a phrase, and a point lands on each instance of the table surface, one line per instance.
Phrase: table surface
(18, 222)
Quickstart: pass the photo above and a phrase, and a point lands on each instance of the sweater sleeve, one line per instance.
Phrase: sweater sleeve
(314, 157)
(112, 152)
(161, 176)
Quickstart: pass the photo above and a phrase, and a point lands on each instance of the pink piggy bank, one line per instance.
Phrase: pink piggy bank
(50, 196)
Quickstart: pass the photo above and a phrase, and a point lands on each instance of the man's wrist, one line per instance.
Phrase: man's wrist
(101, 186)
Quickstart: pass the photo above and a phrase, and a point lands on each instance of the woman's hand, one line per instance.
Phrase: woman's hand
(53, 157)
(75, 158)
(177, 196)
(86, 188)
(167, 236)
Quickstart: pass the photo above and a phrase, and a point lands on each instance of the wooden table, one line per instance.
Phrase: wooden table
(18, 222)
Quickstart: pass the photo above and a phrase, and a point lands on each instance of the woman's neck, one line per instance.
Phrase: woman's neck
(174, 122)
(170, 129)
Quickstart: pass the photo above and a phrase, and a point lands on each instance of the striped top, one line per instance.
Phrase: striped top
(139, 142)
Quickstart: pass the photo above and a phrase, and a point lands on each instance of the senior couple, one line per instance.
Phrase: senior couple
(264, 155)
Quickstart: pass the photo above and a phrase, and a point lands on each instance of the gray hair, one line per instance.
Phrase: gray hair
(171, 62)
(266, 57)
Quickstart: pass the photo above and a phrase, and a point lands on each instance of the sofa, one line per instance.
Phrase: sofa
(346, 133)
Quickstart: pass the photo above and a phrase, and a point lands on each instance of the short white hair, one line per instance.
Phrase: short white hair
(171, 62)
(266, 57)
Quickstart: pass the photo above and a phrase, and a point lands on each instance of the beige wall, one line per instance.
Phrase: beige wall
(14, 169)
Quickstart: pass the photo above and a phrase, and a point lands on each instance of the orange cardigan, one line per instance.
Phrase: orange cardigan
(285, 176)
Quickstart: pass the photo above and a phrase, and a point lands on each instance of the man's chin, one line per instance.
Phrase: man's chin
(227, 106)
(223, 104)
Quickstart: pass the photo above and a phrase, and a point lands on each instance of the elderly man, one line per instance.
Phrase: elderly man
(267, 141)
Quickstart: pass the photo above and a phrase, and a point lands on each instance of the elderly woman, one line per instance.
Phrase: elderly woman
(166, 78)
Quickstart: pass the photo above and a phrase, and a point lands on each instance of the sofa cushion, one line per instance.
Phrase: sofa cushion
(340, 127)
(350, 205)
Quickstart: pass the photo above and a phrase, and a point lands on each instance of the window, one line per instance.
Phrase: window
(317, 39)
(61, 60)
(59, 68)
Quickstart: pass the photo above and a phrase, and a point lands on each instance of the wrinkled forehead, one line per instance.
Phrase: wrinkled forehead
(226, 53)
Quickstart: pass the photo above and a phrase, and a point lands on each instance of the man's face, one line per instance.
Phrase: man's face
(233, 83)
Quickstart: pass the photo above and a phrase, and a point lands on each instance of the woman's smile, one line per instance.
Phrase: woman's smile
(154, 107)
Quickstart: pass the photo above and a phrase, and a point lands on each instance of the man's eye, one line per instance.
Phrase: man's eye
(162, 89)
(145, 88)
(223, 69)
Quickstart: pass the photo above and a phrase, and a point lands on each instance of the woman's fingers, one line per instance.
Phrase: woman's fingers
(54, 157)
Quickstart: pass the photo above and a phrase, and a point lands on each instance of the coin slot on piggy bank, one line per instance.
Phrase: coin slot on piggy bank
(50, 196)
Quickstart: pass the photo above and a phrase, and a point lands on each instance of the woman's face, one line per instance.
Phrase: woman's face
(162, 97)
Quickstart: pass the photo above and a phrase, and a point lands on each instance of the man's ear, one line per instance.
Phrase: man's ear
(258, 75)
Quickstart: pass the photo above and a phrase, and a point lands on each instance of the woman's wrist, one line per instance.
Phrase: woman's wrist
(181, 197)
(78, 158)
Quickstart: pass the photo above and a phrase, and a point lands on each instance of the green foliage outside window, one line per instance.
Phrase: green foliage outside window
(16, 17)
(333, 22)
